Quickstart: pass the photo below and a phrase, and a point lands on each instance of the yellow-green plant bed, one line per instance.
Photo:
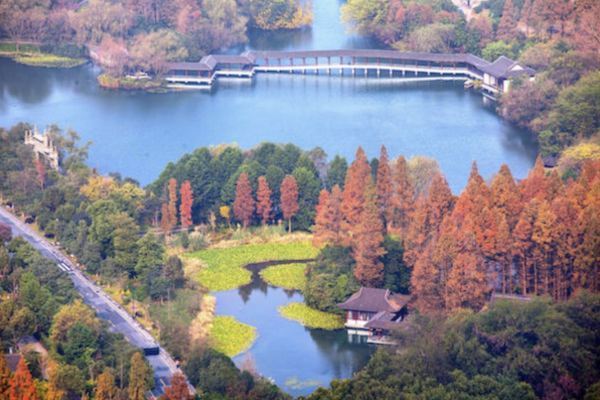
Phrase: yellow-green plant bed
(49, 60)
(230, 336)
(223, 269)
(288, 276)
(310, 317)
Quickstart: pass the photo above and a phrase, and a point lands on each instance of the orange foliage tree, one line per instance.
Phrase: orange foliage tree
(185, 208)
(178, 390)
(289, 199)
(385, 189)
(328, 220)
(358, 178)
(263, 204)
(243, 205)
(367, 249)
(22, 386)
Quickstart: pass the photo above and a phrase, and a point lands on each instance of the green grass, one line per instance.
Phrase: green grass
(287, 276)
(183, 308)
(231, 337)
(310, 317)
(223, 269)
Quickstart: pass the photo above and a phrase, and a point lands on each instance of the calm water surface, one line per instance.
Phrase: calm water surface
(136, 134)
(298, 359)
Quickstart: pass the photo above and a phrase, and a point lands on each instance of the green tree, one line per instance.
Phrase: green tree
(139, 377)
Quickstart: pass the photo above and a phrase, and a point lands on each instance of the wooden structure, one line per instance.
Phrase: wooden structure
(494, 77)
(374, 313)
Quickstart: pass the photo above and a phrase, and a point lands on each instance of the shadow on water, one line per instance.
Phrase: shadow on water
(298, 359)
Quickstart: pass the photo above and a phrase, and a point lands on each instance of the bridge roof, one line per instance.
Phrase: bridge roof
(503, 67)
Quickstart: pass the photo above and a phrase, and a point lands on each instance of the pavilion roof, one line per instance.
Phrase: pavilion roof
(375, 300)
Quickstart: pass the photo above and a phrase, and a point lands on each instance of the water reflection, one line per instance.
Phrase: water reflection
(297, 358)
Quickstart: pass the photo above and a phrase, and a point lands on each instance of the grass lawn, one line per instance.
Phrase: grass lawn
(231, 337)
(287, 276)
(310, 317)
(223, 269)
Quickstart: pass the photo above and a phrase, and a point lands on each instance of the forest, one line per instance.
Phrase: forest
(555, 37)
(129, 35)
(384, 222)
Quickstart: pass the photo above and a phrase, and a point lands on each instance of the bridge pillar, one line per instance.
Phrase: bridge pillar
(378, 72)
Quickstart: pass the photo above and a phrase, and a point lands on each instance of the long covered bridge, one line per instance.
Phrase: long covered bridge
(494, 76)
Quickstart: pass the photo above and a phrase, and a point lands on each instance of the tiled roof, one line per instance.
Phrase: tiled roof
(374, 300)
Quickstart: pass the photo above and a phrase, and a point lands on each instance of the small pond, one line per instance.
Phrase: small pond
(298, 359)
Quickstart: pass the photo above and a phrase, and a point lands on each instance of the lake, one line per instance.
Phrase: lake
(137, 134)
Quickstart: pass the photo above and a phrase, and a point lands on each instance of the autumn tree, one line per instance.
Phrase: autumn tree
(263, 203)
(534, 185)
(138, 377)
(523, 245)
(329, 218)
(384, 189)
(544, 252)
(289, 199)
(185, 208)
(508, 22)
(178, 390)
(41, 172)
(505, 196)
(22, 386)
(403, 198)
(367, 248)
(467, 284)
(5, 376)
(358, 178)
(425, 283)
(243, 206)
(105, 386)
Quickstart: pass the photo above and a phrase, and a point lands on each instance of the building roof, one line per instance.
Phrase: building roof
(504, 67)
(189, 66)
(375, 300)
(12, 360)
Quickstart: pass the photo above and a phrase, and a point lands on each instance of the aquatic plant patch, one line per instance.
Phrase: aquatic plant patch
(230, 336)
(287, 276)
(223, 269)
(311, 317)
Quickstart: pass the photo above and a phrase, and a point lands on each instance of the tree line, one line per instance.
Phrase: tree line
(537, 236)
(130, 35)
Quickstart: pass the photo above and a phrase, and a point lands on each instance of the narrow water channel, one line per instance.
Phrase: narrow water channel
(298, 359)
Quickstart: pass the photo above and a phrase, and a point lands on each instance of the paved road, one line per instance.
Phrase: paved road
(106, 308)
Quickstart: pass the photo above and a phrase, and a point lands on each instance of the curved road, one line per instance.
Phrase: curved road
(120, 321)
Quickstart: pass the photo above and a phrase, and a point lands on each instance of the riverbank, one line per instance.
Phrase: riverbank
(107, 81)
(310, 317)
(31, 55)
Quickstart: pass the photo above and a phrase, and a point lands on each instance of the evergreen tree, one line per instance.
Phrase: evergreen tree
(138, 377)
(336, 174)
(385, 189)
(263, 203)
(367, 249)
(358, 179)
(289, 199)
(403, 199)
(243, 206)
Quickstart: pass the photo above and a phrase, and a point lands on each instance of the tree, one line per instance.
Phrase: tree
(425, 283)
(5, 377)
(151, 253)
(336, 174)
(152, 51)
(403, 198)
(544, 237)
(105, 386)
(5, 233)
(243, 206)
(523, 245)
(367, 248)
(22, 386)
(385, 189)
(508, 22)
(165, 220)
(505, 196)
(263, 197)
(178, 390)
(172, 205)
(467, 284)
(185, 208)
(327, 229)
(358, 179)
(289, 199)
(139, 373)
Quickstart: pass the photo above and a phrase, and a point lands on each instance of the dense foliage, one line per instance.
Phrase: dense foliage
(510, 351)
(129, 35)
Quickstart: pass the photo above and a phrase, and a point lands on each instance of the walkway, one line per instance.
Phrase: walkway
(106, 308)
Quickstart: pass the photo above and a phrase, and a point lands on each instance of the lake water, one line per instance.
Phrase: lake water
(298, 359)
(136, 134)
